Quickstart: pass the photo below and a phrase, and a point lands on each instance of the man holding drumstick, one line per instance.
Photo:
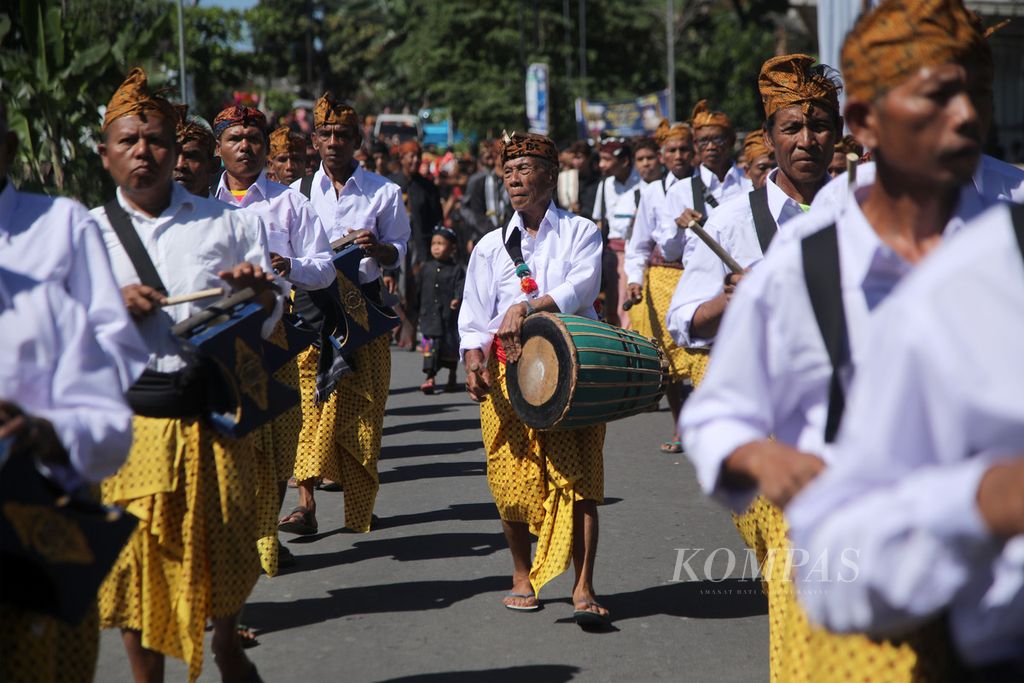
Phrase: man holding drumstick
(545, 483)
(796, 328)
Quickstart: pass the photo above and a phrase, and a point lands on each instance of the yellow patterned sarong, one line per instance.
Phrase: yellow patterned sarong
(278, 440)
(537, 476)
(802, 653)
(35, 648)
(340, 437)
(193, 555)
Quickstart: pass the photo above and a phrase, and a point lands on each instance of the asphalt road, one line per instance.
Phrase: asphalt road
(418, 599)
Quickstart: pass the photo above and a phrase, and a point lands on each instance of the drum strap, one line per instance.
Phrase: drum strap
(513, 245)
(764, 224)
(306, 186)
(1017, 219)
(132, 243)
(820, 252)
(701, 196)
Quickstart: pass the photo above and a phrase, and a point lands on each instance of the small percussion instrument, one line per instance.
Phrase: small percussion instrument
(575, 372)
(364, 315)
(242, 391)
(55, 550)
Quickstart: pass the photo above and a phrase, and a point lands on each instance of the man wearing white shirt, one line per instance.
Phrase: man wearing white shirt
(60, 403)
(545, 483)
(652, 279)
(192, 557)
(55, 238)
(935, 463)
(697, 197)
(614, 210)
(340, 438)
(797, 326)
(300, 253)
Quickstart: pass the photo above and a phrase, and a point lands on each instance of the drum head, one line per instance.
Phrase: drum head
(541, 383)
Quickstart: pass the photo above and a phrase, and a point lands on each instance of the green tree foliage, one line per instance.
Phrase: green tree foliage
(54, 80)
(215, 63)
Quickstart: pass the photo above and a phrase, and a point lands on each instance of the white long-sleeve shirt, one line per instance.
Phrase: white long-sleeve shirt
(564, 258)
(293, 229)
(52, 367)
(732, 226)
(649, 213)
(993, 178)
(55, 239)
(770, 370)
(616, 202)
(676, 244)
(367, 202)
(189, 243)
(937, 399)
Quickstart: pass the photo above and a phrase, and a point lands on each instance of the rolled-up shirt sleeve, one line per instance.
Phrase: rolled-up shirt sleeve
(88, 409)
(311, 266)
(583, 282)
(393, 224)
(702, 280)
(479, 301)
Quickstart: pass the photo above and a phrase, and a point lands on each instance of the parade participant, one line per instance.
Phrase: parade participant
(646, 162)
(774, 393)
(848, 145)
(192, 556)
(614, 209)
(340, 438)
(423, 204)
(442, 282)
(802, 105)
(652, 279)
(286, 161)
(299, 253)
(545, 483)
(760, 160)
(715, 180)
(934, 463)
(196, 161)
(60, 403)
(486, 200)
(55, 239)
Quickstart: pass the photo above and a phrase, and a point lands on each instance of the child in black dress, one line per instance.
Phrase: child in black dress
(441, 283)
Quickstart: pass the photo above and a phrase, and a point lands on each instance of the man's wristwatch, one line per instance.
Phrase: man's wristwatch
(530, 310)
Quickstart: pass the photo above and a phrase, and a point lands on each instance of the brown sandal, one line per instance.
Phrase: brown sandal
(299, 521)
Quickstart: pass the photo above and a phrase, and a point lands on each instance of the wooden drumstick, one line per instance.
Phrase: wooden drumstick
(851, 168)
(194, 296)
(720, 251)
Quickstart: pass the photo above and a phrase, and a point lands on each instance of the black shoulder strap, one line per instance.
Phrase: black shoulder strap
(697, 185)
(306, 186)
(1017, 218)
(820, 252)
(513, 245)
(636, 198)
(764, 224)
(132, 243)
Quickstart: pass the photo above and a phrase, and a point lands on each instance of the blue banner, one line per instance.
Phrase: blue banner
(621, 118)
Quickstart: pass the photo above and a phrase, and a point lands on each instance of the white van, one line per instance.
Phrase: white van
(403, 126)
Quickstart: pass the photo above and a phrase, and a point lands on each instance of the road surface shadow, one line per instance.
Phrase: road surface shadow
(434, 470)
(728, 599)
(462, 512)
(407, 549)
(428, 408)
(409, 596)
(540, 673)
(417, 450)
(433, 426)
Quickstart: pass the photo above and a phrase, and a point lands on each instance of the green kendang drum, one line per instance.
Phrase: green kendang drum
(575, 372)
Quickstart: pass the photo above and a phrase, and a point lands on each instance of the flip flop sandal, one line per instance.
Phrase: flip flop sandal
(330, 486)
(588, 619)
(292, 484)
(304, 525)
(523, 596)
(247, 637)
(672, 447)
(428, 387)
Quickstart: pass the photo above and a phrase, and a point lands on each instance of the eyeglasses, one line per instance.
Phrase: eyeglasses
(718, 140)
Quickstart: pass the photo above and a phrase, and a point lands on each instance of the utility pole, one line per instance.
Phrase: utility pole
(181, 50)
(568, 42)
(583, 47)
(670, 42)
